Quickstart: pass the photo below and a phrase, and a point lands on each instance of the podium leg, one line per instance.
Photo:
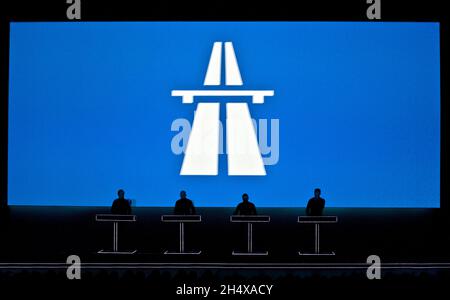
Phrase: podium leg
(181, 246)
(181, 237)
(115, 248)
(115, 237)
(316, 244)
(249, 237)
(249, 244)
(317, 233)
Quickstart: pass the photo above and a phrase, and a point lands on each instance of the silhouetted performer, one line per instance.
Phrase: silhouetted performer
(245, 207)
(121, 206)
(315, 205)
(184, 206)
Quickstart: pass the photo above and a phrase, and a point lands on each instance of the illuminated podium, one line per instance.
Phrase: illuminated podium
(181, 219)
(250, 220)
(115, 219)
(317, 220)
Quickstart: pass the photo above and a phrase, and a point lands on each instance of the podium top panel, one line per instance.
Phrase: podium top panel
(181, 218)
(115, 218)
(250, 218)
(317, 219)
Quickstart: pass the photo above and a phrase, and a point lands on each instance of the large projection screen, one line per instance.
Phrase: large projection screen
(350, 107)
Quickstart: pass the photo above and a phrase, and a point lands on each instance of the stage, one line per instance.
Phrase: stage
(50, 234)
(412, 244)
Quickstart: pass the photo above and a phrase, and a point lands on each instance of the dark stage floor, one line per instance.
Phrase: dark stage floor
(413, 246)
(50, 234)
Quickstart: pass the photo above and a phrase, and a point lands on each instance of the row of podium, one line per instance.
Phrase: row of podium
(182, 219)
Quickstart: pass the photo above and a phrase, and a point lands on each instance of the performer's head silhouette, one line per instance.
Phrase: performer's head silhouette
(317, 192)
(245, 197)
(183, 194)
(121, 194)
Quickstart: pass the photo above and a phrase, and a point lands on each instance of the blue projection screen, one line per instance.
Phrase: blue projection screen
(350, 107)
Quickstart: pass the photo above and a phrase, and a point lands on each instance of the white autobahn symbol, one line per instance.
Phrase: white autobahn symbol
(202, 151)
